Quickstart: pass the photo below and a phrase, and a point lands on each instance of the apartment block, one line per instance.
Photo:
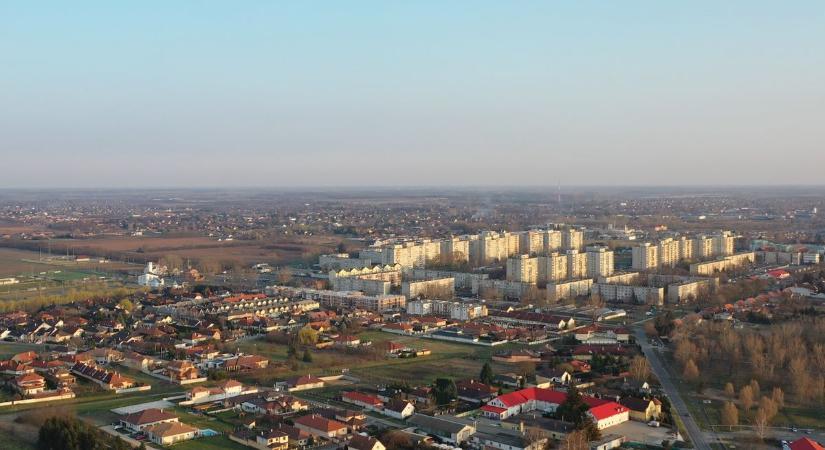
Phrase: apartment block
(668, 252)
(434, 288)
(599, 261)
(720, 265)
(572, 239)
(568, 289)
(645, 256)
(576, 265)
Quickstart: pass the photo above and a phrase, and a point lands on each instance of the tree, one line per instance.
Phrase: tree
(444, 391)
(486, 375)
(691, 372)
(308, 336)
(769, 407)
(307, 356)
(596, 302)
(760, 423)
(755, 390)
(746, 398)
(574, 409)
(285, 276)
(778, 396)
(730, 415)
(69, 433)
(576, 440)
(639, 368)
(126, 305)
(730, 392)
(173, 263)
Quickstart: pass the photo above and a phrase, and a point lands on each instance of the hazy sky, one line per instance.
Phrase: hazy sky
(306, 93)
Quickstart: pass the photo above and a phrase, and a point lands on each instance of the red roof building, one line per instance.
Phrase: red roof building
(805, 444)
(605, 413)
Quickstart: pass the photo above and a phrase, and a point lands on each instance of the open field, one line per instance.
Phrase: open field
(448, 359)
(25, 263)
(139, 248)
(210, 443)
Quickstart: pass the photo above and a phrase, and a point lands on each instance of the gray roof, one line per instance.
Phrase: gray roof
(436, 425)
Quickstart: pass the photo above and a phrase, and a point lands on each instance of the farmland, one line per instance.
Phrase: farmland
(139, 249)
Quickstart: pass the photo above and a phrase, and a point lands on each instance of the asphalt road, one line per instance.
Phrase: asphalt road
(697, 437)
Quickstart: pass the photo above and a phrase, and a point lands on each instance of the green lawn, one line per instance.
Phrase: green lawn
(209, 443)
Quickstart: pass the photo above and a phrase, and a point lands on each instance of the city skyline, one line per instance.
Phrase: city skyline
(402, 95)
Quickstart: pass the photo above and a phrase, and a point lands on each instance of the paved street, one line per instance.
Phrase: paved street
(694, 433)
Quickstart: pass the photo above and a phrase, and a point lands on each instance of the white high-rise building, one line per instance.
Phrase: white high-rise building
(667, 251)
(523, 268)
(576, 265)
(645, 257)
(599, 262)
(572, 239)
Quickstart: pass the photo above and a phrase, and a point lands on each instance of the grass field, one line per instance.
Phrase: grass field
(25, 263)
(210, 443)
(448, 359)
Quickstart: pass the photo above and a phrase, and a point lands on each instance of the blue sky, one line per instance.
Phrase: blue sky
(129, 94)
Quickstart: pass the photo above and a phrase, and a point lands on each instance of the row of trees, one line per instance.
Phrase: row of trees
(69, 433)
(792, 354)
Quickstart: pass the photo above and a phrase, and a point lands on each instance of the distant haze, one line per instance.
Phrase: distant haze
(174, 93)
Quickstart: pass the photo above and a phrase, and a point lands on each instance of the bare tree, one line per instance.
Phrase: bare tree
(760, 424)
(577, 440)
(639, 368)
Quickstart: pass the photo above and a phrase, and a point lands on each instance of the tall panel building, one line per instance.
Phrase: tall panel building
(645, 256)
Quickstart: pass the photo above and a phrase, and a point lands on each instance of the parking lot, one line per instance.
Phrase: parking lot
(641, 432)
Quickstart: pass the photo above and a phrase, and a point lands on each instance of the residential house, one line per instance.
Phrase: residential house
(361, 442)
(181, 370)
(301, 383)
(555, 376)
(399, 409)
(448, 430)
(320, 426)
(475, 391)
(643, 410)
(110, 380)
(245, 363)
(139, 420)
(170, 433)
(369, 402)
(29, 384)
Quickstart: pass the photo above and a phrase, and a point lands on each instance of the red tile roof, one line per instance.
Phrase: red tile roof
(320, 423)
(150, 415)
(805, 444)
